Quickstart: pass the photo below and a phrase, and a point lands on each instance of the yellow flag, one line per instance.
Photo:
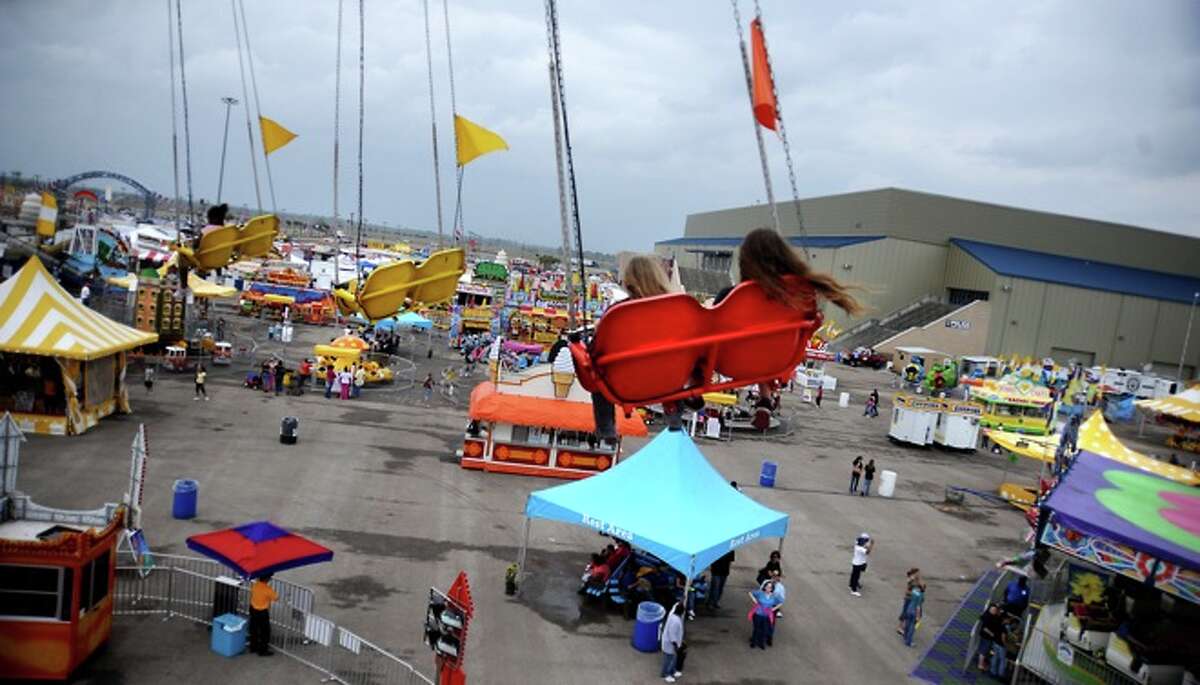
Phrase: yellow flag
(274, 136)
(475, 140)
(47, 219)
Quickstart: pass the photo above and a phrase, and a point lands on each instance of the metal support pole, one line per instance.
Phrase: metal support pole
(521, 557)
(229, 103)
(1187, 336)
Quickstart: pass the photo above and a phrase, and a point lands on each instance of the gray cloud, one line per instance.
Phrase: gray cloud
(1083, 110)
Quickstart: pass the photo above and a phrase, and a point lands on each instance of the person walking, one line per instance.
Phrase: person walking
(911, 615)
(912, 578)
(858, 562)
(720, 574)
(672, 643)
(268, 377)
(762, 615)
(148, 378)
(201, 376)
(868, 476)
(820, 394)
(261, 596)
(345, 381)
(278, 371)
(780, 594)
(856, 469)
(360, 380)
(991, 640)
(85, 293)
(330, 379)
(427, 389)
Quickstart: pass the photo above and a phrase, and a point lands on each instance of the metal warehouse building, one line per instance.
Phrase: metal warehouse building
(1040, 284)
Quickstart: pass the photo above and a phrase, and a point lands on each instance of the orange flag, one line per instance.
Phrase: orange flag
(764, 88)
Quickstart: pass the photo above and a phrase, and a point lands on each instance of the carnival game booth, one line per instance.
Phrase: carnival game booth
(1180, 412)
(523, 424)
(1131, 611)
(62, 365)
(345, 351)
(667, 500)
(56, 577)
(1016, 405)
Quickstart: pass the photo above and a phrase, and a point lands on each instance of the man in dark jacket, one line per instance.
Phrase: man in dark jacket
(720, 573)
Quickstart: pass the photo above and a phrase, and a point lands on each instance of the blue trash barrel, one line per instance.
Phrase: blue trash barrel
(766, 477)
(184, 505)
(645, 629)
(238, 283)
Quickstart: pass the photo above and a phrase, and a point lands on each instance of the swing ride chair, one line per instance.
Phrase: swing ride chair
(648, 351)
(388, 287)
(218, 246)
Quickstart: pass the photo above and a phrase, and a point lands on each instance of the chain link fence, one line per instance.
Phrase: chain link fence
(197, 589)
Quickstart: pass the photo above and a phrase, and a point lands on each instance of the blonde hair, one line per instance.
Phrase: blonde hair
(644, 277)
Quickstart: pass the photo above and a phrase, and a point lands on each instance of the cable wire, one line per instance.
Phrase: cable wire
(237, 33)
(437, 169)
(187, 135)
(174, 113)
(758, 136)
(257, 107)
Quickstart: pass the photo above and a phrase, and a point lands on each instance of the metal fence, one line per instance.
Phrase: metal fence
(195, 589)
(1047, 658)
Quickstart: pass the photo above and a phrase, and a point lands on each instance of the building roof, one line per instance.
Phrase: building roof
(38, 317)
(1081, 273)
(813, 241)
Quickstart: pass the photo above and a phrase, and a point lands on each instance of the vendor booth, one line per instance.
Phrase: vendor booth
(1131, 608)
(667, 500)
(62, 365)
(522, 423)
(1015, 404)
(56, 576)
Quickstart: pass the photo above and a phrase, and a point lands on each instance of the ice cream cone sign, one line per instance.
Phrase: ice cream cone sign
(562, 373)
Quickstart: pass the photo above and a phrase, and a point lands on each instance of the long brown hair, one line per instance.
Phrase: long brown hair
(766, 258)
(644, 277)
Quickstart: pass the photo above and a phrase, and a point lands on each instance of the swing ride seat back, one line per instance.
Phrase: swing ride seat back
(387, 288)
(219, 245)
(652, 350)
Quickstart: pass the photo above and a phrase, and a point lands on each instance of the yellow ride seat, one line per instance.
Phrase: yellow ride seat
(256, 237)
(215, 249)
(388, 287)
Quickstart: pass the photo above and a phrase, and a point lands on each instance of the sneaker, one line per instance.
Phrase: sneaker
(195, 398)
(856, 593)
(678, 674)
(206, 398)
(691, 615)
(670, 679)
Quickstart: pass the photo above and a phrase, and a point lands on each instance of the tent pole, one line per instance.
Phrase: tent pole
(521, 557)
(780, 547)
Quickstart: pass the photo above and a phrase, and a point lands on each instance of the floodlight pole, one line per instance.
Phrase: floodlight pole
(1187, 336)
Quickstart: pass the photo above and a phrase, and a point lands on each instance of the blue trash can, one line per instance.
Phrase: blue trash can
(645, 629)
(766, 477)
(184, 505)
(228, 635)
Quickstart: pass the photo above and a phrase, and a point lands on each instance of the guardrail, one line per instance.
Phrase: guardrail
(195, 589)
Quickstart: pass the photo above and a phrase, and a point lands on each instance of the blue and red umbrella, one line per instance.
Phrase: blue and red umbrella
(259, 548)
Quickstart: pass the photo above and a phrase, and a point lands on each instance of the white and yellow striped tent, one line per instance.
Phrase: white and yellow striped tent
(1184, 405)
(37, 316)
(1094, 436)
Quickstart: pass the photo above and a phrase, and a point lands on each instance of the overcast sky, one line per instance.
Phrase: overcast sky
(1088, 108)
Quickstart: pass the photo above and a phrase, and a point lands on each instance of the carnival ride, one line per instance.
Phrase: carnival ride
(388, 288)
(347, 351)
(220, 246)
(1015, 404)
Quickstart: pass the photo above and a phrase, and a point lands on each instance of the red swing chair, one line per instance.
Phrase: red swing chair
(652, 350)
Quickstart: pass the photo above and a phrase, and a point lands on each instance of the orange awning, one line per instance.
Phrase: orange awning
(522, 410)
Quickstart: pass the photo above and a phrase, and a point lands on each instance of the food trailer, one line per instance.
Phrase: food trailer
(1017, 405)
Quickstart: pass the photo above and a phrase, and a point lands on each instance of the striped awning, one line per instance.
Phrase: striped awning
(38, 317)
(1184, 405)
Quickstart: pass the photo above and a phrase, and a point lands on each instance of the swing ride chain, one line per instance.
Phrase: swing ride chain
(237, 33)
(758, 136)
(257, 106)
(187, 136)
(552, 7)
(337, 128)
(564, 219)
(362, 28)
(437, 175)
(458, 175)
(787, 151)
(174, 115)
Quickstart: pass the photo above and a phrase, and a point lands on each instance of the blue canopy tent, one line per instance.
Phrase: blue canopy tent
(414, 321)
(666, 499)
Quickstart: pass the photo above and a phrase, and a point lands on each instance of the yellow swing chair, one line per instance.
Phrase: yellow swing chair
(388, 287)
(220, 246)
